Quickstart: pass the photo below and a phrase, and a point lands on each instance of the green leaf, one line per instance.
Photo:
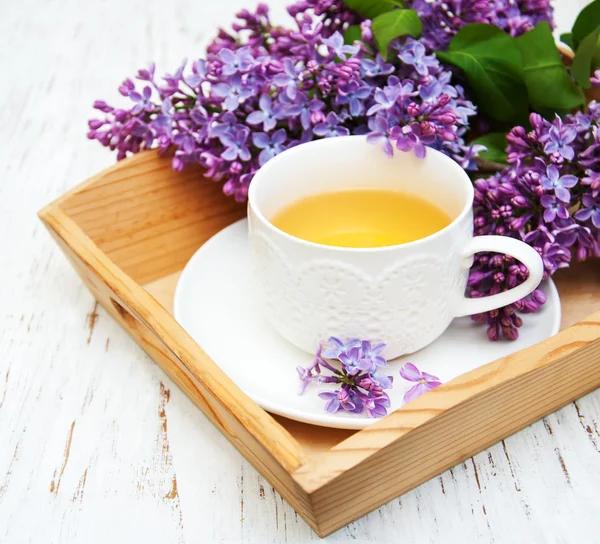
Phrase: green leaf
(352, 34)
(567, 39)
(586, 22)
(393, 24)
(588, 55)
(491, 62)
(496, 146)
(549, 85)
(370, 9)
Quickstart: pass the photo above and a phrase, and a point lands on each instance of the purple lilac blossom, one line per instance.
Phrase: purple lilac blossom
(544, 198)
(235, 145)
(553, 181)
(379, 67)
(338, 400)
(442, 20)
(259, 79)
(376, 406)
(236, 61)
(380, 134)
(335, 44)
(415, 55)
(360, 389)
(354, 361)
(268, 114)
(142, 101)
(372, 354)
(305, 108)
(590, 210)
(423, 382)
(270, 145)
(558, 140)
(337, 347)
(290, 78)
(420, 107)
(331, 127)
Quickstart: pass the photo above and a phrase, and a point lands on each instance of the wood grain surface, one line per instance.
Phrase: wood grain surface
(96, 443)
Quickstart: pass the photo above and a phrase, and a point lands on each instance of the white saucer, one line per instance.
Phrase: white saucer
(214, 303)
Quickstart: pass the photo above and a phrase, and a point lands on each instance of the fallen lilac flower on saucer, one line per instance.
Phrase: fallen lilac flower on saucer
(424, 382)
(361, 388)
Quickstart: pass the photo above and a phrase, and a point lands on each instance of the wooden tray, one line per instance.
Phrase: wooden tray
(130, 230)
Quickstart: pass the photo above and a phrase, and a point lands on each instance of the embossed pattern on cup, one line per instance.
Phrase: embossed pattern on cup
(341, 298)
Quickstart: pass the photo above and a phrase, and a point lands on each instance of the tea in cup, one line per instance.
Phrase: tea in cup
(361, 218)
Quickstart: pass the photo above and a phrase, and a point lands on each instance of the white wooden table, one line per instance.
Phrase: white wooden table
(96, 444)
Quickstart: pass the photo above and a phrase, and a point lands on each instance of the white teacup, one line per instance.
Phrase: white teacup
(404, 295)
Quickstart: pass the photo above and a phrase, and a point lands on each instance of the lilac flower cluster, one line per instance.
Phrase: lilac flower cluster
(549, 197)
(442, 20)
(361, 388)
(244, 104)
(418, 106)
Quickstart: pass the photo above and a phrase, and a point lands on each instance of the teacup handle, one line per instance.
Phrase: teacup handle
(515, 248)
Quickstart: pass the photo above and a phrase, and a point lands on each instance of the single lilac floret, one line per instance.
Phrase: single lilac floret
(413, 137)
(392, 95)
(268, 114)
(377, 406)
(380, 134)
(560, 137)
(270, 145)
(236, 61)
(331, 127)
(290, 78)
(236, 145)
(338, 400)
(233, 91)
(142, 101)
(198, 75)
(424, 382)
(335, 43)
(354, 95)
(386, 382)
(591, 210)
(414, 53)
(304, 107)
(372, 354)
(354, 361)
(185, 138)
(310, 373)
(228, 123)
(553, 208)
(337, 347)
(560, 184)
(377, 67)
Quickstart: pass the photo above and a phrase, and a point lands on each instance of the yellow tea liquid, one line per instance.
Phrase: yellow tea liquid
(361, 218)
